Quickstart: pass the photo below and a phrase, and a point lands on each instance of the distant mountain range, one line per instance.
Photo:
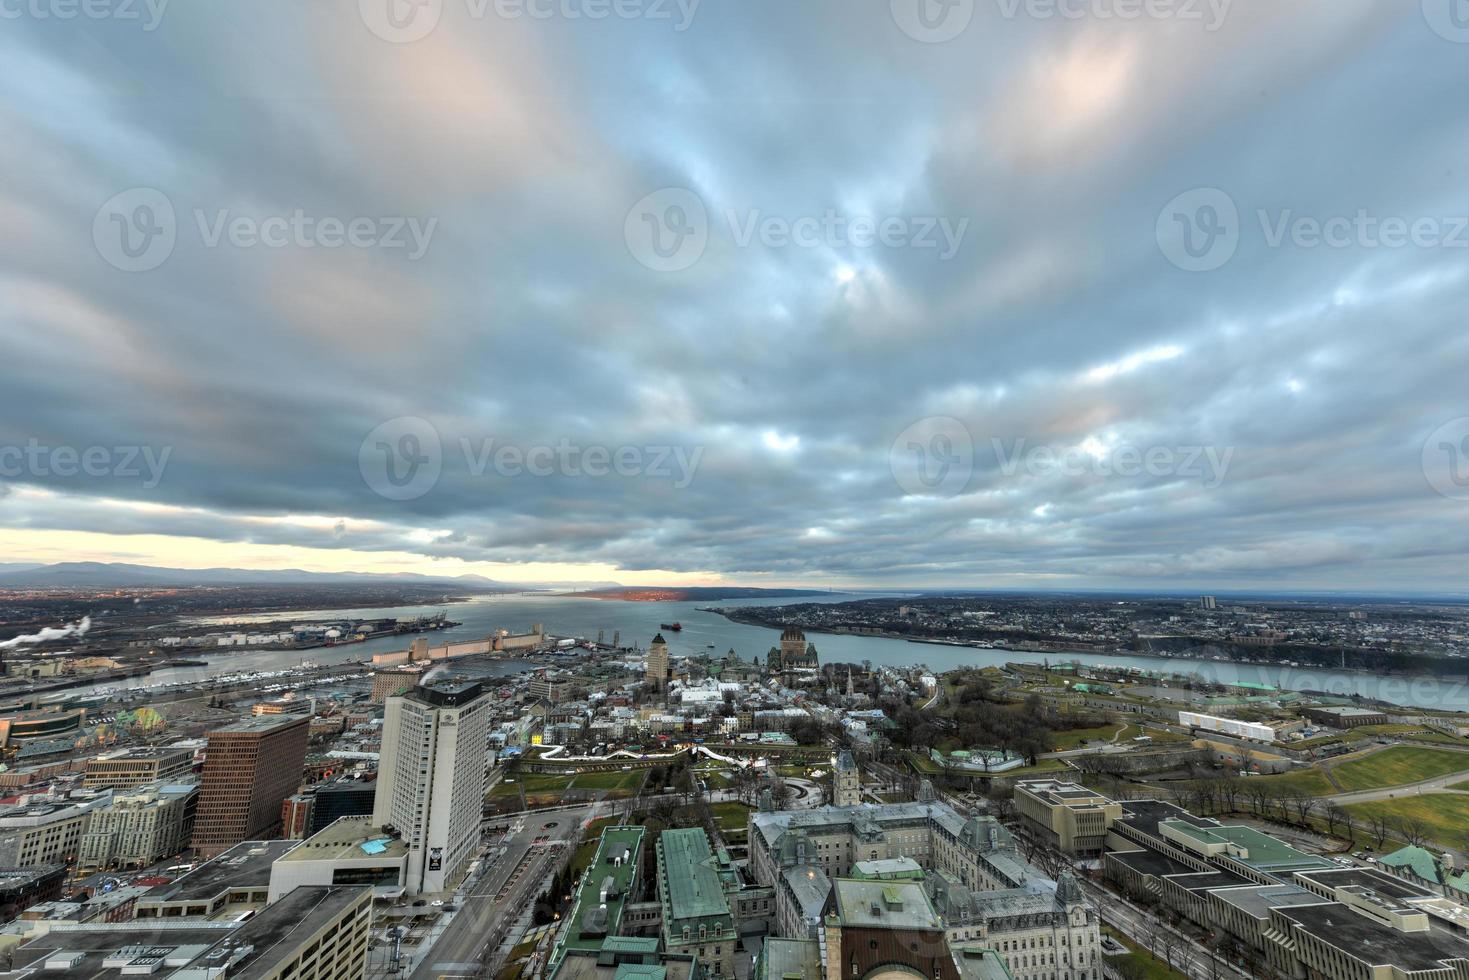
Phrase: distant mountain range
(103, 575)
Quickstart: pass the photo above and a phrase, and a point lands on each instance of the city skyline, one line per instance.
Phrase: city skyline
(758, 294)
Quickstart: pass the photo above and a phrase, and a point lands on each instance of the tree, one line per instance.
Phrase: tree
(1379, 826)
(1333, 813)
(1412, 830)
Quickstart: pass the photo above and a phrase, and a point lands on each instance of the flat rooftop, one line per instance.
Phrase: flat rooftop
(246, 865)
(1258, 900)
(305, 910)
(1359, 937)
(261, 723)
(1389, 886)
(348, 838)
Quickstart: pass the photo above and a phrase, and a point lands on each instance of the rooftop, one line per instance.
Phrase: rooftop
(246, 865)
(884, 905)
(691, 888)
(347, 838)
(1361, 938)
(259, 724)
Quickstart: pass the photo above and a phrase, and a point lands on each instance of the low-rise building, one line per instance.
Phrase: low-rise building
(1066, 815)
(351, 851)
(232, 883)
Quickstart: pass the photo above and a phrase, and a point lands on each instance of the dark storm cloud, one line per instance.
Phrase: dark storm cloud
(770, 380)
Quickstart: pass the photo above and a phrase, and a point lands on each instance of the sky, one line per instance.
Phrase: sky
(979, 293)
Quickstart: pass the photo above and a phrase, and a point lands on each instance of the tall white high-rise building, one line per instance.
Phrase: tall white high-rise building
(431, 778)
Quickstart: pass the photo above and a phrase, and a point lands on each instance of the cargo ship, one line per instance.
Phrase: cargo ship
(675, 627)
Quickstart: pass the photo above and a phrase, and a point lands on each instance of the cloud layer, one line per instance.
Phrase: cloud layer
(1039, 408)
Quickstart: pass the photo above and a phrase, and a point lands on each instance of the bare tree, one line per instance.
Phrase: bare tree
(1379, 826)
(1411, 830)
(1333, 813)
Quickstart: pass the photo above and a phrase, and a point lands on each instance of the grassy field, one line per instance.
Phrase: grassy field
(623, 782)
(534, 784)
(1148, 966)
(1312, 781)
(1441, 813)
(1398, 765)
(731, 817)
(1078, 737)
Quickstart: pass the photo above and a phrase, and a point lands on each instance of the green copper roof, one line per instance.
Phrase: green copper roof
(690, 888)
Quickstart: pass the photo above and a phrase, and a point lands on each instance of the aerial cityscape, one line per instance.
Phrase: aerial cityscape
(734, 490)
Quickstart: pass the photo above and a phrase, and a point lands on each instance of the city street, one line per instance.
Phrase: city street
(493, 901)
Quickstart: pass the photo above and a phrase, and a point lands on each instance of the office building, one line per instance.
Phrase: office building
(350, 852)
(139, 767)
(296, 814)
(393, 681)
(431, 779)
(47, 830)
(697, 920)
(318, 933)
(250, 767)
(20, 888)
(143, 826)
(601, 897)
(658, 672)
(226, 886)
(1066, 816)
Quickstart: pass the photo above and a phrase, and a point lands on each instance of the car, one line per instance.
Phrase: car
(437, 902)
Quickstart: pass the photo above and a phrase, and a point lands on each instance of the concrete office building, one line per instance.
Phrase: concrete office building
(658, 670)
(139, 767)
(311, 934)
(349, 852)
(431, 779)
(250, 767)
(143, 826)
(1066, 816)
(229, 885)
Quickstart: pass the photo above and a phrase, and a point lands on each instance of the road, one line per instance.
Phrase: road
(485, 909)
(1188, 956)
(1438, 784)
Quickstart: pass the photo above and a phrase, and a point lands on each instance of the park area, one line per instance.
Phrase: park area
(1397, 766)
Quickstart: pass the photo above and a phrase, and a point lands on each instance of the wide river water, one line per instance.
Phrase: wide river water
(706, 632)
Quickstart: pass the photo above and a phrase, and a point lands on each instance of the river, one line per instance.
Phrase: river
(706, 632)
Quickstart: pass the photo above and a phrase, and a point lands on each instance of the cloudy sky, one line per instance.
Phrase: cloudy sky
(985, 293)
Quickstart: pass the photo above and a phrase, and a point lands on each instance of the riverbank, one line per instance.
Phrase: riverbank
(1071, 649)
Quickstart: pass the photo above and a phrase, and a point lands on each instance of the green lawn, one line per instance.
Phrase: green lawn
(1460, 786)
(534, 784)
(1074, 739)
(1441, 813)
(1149, 967)
(614, 781)
(730, 816)
(1398, 765)
(1311, 781)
